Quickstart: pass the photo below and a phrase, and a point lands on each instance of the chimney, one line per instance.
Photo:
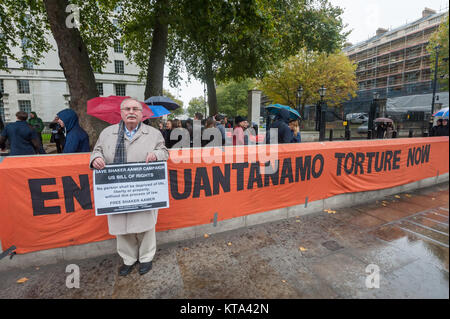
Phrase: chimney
(381, 31)
(428, 12)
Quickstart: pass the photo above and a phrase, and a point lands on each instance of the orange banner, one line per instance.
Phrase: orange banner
(47, 201)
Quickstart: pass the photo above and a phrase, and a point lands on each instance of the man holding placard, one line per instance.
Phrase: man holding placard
(131, 141)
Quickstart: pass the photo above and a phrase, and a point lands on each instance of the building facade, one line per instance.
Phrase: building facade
(43, 88)
(394, 63)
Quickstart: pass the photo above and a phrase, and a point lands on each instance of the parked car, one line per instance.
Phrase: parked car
(357, 118)
(364, 128)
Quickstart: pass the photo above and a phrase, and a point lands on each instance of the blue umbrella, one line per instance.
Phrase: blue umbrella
(275, 109)
(442, 112)
(158, 110)
(162, 100)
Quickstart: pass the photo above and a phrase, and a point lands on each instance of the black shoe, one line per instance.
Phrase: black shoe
(145, 268)
(125, 269)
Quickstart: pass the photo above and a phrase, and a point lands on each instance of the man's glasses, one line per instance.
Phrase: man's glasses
(129, 109)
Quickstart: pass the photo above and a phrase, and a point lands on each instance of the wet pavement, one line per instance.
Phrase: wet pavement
(333, 254)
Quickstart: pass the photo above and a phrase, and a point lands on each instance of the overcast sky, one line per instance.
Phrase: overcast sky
(363, 17)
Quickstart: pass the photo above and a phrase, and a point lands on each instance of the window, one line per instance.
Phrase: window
(23, 86)
(118, 67)
(25, 105)
(100, 88)
(117, 47)
(120, 89)
(5, 61)
(27, 64)
(2, 88)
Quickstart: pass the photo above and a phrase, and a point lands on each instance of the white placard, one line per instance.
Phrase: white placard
(127, 188)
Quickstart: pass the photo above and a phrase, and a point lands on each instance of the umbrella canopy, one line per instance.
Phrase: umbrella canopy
(158, 110)
(442, 112)
(162, 100)
(108, 108)
(275, 109)
(383, 120)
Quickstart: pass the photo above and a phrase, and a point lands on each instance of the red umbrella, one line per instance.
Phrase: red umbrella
(108, 108)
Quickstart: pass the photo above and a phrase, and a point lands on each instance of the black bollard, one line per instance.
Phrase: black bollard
(331, 135)
(410, 133)
(369, 134)
(394, 134)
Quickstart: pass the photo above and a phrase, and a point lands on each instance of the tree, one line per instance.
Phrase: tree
(78, 49)
(237, 39)
(440, 37)
(196, 105)
(232, 97)
(311, 70)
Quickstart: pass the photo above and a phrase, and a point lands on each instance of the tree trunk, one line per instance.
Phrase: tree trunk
(155, 71)
(212, 97)
(76, 66)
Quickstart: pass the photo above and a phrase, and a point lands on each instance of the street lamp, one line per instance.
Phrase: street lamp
(437, 49)
(372, 114)
(299, 96)
(322, 114)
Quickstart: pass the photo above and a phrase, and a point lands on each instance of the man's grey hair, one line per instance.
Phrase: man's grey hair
(129, 99)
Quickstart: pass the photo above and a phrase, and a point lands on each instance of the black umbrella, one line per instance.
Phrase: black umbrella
(162, 100)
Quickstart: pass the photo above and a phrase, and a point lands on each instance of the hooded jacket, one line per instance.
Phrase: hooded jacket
(281, 123)
(36, 123)
(77, 139)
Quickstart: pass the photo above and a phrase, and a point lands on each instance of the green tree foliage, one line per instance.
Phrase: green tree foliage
(440, 37)
(232, 97)
(24, 24)
(311, 70)
(196, 105)
(237, 39)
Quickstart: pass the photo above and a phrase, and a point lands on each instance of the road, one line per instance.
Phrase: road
(395, 248)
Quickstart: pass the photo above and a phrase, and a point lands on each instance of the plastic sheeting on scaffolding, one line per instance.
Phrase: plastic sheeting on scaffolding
(416, 103)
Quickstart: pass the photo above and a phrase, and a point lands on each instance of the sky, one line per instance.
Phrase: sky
(363, 18)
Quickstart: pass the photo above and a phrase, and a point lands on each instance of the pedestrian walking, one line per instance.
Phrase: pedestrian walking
(77, 139)
(127, 142)
(22, 138)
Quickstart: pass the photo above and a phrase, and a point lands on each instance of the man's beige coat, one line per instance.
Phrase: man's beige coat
(147, 139)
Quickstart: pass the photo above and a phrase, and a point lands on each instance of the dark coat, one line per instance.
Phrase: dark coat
(285, 134)
(77, 140)
(20, 136)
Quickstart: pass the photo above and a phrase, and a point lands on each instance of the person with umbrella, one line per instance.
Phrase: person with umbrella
(435, 130)
(127, 142)
(281, 123)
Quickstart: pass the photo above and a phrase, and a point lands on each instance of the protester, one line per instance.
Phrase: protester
(220, 126)
(198, 116)
(36, 123)
(171, 141)
(389, 130)
(281, 122)
(127, 142)
(22, 138)
(381, 130)
(443, 129)
(240, 124)
(226, 123)
(77, 139)
(295, 128)
(58, 136)
(210, 123)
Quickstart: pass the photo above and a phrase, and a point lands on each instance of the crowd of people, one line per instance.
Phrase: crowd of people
(440, 129)
(241, 131)
(24, 137)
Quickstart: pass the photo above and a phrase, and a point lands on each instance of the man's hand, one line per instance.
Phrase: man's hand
(98, 163)
(150, 158)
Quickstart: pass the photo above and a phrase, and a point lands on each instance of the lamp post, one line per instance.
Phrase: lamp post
(322, 114)
(299, 96)
(372, 114)
(437, 49)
